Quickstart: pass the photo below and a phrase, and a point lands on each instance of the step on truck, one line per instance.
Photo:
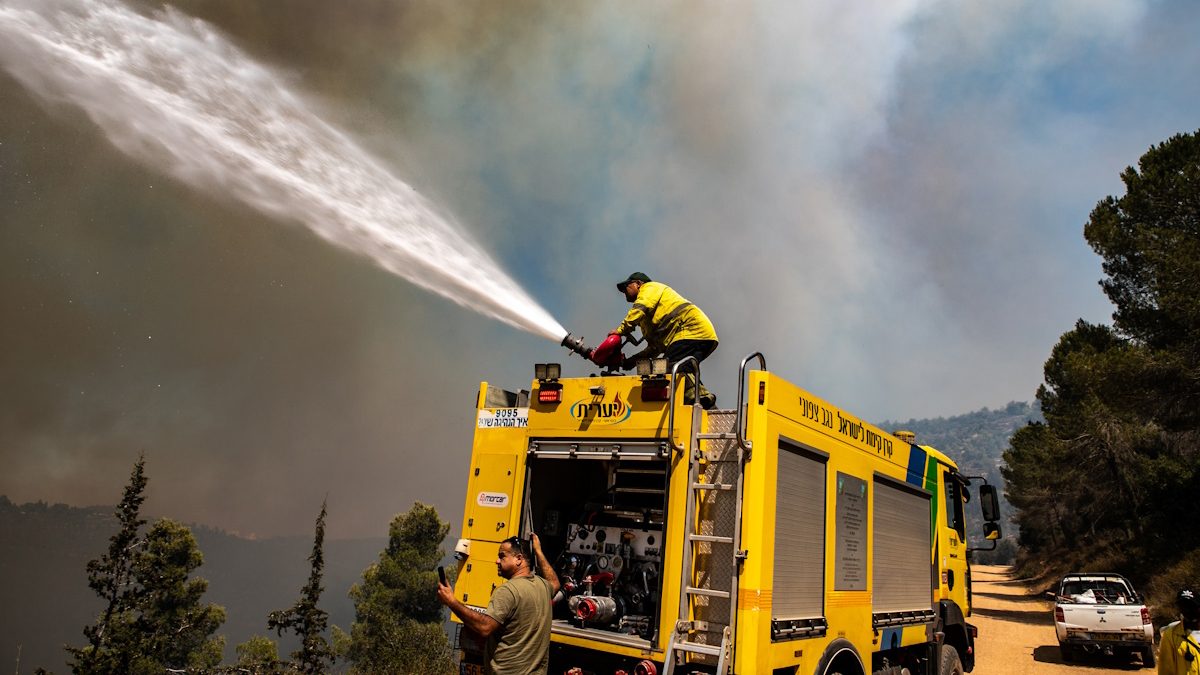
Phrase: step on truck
(785, 536)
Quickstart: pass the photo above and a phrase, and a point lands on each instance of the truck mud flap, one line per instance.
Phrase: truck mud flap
(959, 634)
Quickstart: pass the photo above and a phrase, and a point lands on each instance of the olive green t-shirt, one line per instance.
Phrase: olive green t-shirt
(522, 607)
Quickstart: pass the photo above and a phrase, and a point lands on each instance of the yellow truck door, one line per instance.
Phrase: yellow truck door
(952, 532)
(492, 499)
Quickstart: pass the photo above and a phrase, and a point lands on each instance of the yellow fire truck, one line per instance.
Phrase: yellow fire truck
(785, 536)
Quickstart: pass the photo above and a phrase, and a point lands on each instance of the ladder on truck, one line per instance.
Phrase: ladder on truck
(712, 553)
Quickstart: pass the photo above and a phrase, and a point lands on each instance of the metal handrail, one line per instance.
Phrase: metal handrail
(671, 400)
(742, 419)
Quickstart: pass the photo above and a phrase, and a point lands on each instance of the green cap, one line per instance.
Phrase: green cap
(636, 276)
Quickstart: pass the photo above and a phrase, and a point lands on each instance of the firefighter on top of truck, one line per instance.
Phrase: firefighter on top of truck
(671, 326)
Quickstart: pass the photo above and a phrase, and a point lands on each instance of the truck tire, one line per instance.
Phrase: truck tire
(1068, 653)
(951, 664)
(1148, 660)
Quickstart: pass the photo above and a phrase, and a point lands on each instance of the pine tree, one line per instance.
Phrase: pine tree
(154, 619)
(398, 620)
(173, 628)
(111, 577)
(258, 656)
(305, 618)
(1118, 458)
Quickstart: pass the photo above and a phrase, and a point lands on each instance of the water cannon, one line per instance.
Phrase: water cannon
(607, 355)
(576, 345)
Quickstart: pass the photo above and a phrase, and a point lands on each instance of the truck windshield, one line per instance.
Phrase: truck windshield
(1096, 591)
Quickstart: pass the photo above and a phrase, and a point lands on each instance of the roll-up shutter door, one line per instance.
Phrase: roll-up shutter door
(902, 556)
(799, 579)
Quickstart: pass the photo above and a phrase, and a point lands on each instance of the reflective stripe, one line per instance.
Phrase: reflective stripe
(662, 326)
(674, 313)
(641, 307)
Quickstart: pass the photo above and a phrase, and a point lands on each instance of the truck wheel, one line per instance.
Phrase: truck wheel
(1148, 656)
(1068, 653)
(951, 665)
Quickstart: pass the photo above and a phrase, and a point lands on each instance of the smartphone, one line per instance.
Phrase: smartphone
(442, 574)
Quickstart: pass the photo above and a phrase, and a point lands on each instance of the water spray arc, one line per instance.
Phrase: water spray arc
(171, 92)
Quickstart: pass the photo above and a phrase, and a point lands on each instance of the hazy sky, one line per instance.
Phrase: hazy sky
(886, 198)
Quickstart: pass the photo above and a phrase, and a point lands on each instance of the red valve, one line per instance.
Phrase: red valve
(605, 577)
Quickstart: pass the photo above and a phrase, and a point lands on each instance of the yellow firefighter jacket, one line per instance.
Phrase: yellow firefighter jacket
(1176, 644)
(665, 316)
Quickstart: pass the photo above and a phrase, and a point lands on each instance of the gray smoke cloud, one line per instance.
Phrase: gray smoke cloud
(885, 198)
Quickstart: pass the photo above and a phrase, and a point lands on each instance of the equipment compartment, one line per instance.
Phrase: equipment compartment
(601, 526)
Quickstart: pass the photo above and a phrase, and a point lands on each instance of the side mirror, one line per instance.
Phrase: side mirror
(991, 531)
(989, 505)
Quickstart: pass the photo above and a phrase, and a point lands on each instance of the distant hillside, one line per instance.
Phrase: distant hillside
(977, 441)
(44, 551)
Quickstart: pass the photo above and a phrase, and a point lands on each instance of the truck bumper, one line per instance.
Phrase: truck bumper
(1092, 644)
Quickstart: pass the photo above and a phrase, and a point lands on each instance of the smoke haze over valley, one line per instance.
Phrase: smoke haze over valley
(886, 199)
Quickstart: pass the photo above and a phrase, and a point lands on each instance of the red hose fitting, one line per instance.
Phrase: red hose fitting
(587, 609)
(645, 668)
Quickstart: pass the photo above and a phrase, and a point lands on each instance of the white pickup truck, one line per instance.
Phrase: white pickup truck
(1101, 613)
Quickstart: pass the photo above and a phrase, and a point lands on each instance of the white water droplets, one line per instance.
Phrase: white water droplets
(170, 91)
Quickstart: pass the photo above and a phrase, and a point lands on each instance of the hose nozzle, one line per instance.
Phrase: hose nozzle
(576, 345)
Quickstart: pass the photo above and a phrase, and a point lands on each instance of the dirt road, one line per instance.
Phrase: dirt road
(1016, 632)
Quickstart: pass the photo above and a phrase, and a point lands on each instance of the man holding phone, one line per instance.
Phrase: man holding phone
(516, 622)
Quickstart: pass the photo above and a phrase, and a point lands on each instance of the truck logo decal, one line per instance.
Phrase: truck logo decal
(612, 413)
(492, 499)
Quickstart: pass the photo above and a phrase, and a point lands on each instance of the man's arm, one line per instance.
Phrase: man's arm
(544, 567)
(631, 320)
(476, 621)
(651, 350)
